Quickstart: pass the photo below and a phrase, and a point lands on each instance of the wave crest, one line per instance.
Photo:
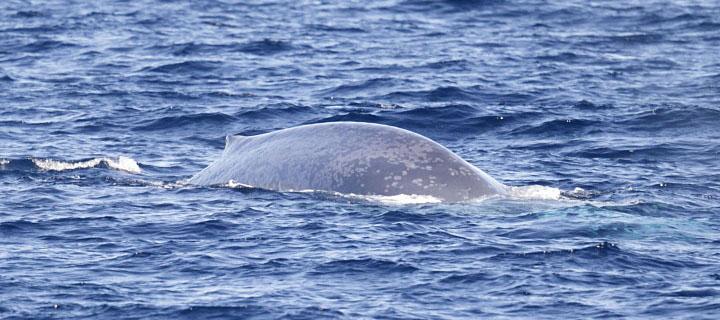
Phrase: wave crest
(121, 163)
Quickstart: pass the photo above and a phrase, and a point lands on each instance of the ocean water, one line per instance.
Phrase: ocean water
(107, 107)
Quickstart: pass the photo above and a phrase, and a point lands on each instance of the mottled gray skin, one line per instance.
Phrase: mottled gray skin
(348, 157)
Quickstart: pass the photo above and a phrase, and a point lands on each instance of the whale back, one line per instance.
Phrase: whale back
(348, 157)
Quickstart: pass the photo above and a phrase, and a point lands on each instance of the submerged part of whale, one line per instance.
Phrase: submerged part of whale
(351, 158)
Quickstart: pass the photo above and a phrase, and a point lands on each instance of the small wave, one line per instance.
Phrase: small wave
(246, 311)
(19, 226)
(351, 116)
(587, 105)
(694, 293)
(4, 77)
(399, 215)
(448, 112)
(706, 26)
(440, 94)
(672, 118)
(44, 45)
(453, 94)
(565, 127)
(636, 38)
(448, 6)
(449, 65)
(334, 28)
(563, 57)
(597, 251)
(371, 85)
(471, 278)
(652, 153)
(209, 228)
(29, 14)
(275, 111)
(198, 119)
(264, 47)
(186, 67)
(362, 266)
(450, 121)
(121, 163)
(193, 48)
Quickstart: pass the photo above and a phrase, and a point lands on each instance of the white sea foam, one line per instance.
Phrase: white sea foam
(535, 192)
(532, 192)
(233, 184)
(121, 163)
(124, 164)
(163, 184)
(55, 165)
(4, 162)
(399, 199)
(403, 199)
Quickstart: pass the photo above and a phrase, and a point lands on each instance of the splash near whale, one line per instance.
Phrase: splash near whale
(349, 158)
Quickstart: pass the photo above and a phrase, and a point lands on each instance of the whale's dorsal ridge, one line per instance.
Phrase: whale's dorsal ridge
(349, 158)
(234, 139)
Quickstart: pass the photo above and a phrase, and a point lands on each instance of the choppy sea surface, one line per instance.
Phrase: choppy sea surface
(107, 107)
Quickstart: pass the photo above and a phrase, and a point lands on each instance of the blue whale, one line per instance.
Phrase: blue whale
(350, 158)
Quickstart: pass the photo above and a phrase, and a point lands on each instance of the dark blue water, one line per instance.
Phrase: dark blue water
(106, 107)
